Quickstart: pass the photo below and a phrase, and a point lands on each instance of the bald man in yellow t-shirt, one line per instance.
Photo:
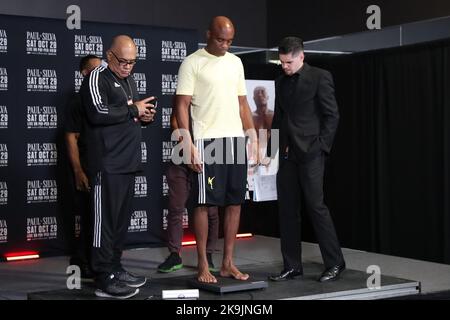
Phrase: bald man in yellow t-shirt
(211, 85)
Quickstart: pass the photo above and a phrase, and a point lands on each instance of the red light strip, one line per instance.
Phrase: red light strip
(238, 236)
(189, 243)
(244, 235)
(21, 256)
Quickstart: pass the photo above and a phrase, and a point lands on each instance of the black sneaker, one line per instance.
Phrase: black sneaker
(111, 287)
(129, 279)
(211, 266)
(172, 263)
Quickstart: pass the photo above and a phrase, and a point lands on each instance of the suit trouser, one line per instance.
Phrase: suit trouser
(303, 181)
(111, 197)
(179, 179)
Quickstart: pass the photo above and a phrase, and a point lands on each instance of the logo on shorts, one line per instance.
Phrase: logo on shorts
(211, 181)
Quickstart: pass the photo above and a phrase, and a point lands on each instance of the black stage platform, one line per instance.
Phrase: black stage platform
(351, 286)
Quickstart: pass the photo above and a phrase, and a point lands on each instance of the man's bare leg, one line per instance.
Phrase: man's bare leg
(230, 228)
(201, 236)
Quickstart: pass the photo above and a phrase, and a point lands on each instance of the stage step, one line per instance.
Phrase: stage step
(351, 286)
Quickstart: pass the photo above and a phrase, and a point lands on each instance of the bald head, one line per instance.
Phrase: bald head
(122, 41)
(260, 90)
(219, 23)
(260, 96)
(122, 55)
(220, 35)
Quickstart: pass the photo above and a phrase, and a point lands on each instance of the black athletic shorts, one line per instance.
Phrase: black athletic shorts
(223, 180)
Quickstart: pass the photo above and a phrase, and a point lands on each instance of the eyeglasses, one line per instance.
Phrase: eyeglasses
(123, 62)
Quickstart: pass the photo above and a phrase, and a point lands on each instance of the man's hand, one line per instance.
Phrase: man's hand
(196, 164)
(148, 116)
(81, 181)
(145, 109)
(266, 161)
(253, 156)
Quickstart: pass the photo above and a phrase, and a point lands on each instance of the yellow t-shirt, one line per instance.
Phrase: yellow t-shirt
(215, 83)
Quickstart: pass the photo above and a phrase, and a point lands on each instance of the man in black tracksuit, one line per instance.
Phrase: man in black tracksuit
(113, 134)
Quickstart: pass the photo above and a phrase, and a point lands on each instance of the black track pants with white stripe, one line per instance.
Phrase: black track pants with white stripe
(111, 197)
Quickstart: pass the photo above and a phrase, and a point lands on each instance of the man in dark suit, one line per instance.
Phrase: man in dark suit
(306, 114)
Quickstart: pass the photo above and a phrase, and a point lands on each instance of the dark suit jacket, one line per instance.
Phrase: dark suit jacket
(308, 119)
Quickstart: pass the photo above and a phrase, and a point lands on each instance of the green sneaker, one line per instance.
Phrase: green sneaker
(211, 266)
(172, 263)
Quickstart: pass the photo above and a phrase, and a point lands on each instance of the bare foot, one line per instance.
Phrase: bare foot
(233, 272)
(205, 276)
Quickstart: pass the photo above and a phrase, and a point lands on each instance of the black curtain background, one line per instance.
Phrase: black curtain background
(387, 179)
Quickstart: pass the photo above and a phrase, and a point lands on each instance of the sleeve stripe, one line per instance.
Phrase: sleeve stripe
(95, 92)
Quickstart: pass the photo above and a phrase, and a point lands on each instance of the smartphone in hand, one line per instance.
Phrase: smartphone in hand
(154, 102)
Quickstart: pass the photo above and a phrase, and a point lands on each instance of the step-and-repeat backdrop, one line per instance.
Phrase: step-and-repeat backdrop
(39, 61)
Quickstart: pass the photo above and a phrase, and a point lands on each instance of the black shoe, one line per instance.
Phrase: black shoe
(332, 273)
(211, 266)
(131, 280)
(286, 274)
(111, 287)
(172, 263)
